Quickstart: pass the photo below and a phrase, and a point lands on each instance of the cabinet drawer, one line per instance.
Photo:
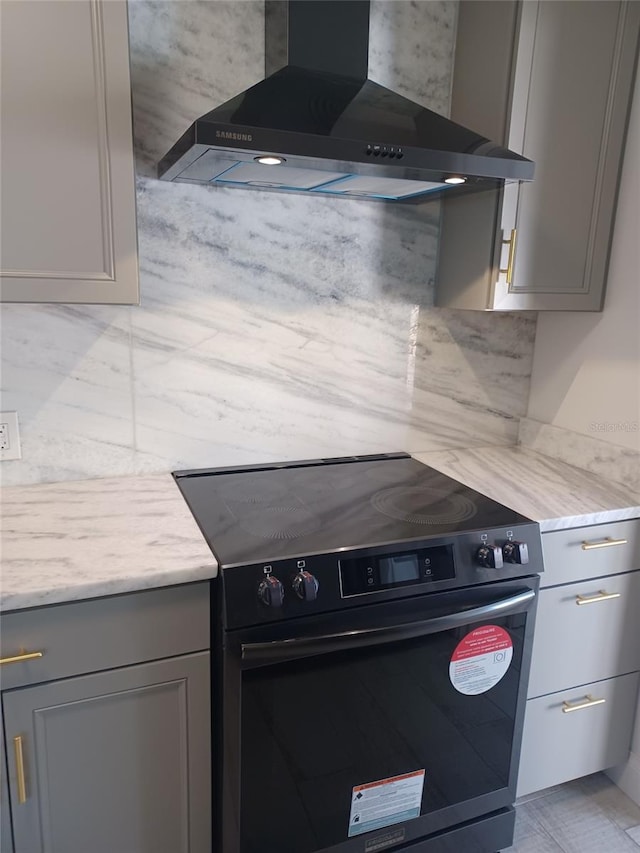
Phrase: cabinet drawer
(105, 633)
(559, 746)
(566, 559)
(574, 644)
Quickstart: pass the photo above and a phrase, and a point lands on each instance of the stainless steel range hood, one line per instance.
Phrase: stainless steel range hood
(319, 125)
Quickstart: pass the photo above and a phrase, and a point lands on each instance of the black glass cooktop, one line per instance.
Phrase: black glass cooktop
(252, 514)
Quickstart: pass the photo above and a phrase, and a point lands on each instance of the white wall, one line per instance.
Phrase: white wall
(586, 369)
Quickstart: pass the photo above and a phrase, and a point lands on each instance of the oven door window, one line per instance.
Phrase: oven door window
(313, 729)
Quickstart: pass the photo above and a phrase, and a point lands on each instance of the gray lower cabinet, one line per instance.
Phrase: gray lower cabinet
(577, 732)
(67, 200)
(553, 81)
(107, 725)
(585, 667)
(113, 761)
(598, 638)
(6, 841)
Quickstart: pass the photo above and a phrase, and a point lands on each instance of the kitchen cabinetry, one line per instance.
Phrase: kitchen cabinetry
(585, 667)
(68, 186)
(108, 733)
(552, 81)
(6, 841)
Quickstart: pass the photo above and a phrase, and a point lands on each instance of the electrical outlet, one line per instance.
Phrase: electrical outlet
(9, 436)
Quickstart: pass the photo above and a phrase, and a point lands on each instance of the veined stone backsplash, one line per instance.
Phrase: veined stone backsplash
(271, 326)
(610, 461)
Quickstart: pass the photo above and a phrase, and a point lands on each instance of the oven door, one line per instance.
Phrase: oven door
(389, 721)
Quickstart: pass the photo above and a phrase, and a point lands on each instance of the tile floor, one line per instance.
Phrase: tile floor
(589, 815)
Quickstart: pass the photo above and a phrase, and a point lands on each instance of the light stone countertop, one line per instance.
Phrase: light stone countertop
(555, 494)
(73, 540)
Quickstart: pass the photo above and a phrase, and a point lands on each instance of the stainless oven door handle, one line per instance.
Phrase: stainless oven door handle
(300, 647)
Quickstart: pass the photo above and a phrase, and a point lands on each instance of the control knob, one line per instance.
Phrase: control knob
(515, 552)
(489, 556)
(305, 586)
(271, 592)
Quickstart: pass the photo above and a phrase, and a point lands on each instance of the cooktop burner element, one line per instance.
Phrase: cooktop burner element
(423, 506)
(280, 522)
(296, 509)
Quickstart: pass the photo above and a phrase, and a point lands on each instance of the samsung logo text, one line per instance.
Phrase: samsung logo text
(239, 137)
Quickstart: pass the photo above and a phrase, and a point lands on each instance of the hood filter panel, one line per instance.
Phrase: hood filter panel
(210, 167)
(392, 189)
(316, 180)
(283, 177)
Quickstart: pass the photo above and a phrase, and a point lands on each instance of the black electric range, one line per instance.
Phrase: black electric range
(372, 631)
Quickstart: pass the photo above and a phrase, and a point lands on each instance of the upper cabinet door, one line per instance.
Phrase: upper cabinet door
(552, 80)
(68, 185)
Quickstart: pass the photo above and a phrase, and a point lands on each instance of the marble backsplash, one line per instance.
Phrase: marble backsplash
(270, 326)
(612, 462)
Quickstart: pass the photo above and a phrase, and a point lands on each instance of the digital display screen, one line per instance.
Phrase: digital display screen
(377, 572)
(399, 569)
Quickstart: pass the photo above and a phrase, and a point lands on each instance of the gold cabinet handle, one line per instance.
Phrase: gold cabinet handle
(589, 702)
(21, 657)
(511, 242)
(599, 596)
(20, 775)
(605, 543)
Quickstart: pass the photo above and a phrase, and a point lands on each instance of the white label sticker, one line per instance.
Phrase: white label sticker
(385, 802)
(480, 660)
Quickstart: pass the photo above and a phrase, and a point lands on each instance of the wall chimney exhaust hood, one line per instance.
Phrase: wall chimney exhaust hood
(317, 124)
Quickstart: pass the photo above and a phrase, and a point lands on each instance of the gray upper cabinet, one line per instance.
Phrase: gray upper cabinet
(68, 185)
(552, 80)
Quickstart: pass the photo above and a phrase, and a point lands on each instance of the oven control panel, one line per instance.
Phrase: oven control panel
(292, 587)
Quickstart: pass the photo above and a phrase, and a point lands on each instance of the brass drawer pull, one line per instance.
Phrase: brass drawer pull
(20, 775)
(511, 242)
(21, 657)
(568, 707)
(605, 543)
(599, 596)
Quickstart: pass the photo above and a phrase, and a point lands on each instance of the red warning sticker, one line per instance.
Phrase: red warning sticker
(480, 660)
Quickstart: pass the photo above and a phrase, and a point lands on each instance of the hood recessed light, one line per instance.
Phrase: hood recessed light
(455, 180)
(270, 160)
